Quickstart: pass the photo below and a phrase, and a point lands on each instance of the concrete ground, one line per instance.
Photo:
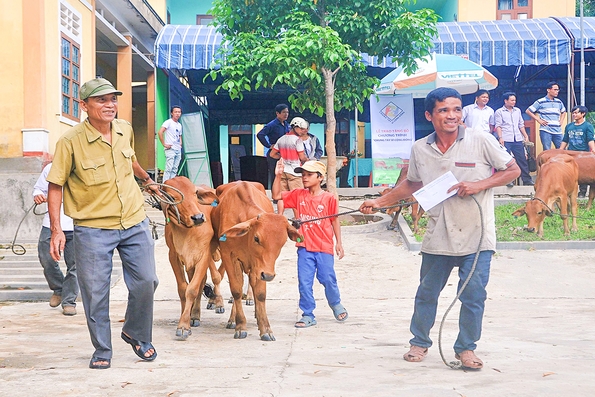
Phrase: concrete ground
(538, 336)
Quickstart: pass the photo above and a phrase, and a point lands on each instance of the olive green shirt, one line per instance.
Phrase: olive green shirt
(97, 178)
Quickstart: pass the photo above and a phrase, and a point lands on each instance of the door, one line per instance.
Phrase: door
(196, 156)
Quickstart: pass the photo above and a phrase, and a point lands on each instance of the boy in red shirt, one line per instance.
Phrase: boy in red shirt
(315, 252)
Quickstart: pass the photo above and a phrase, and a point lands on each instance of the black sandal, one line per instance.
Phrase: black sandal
(94, 363)
(142, 349)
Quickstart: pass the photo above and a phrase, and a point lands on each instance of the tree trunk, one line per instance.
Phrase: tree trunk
(331, 124)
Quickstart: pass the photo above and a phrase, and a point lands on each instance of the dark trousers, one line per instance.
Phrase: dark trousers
(517, 149)
(272, 163)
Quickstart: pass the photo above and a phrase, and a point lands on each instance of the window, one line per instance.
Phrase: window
(514, 9)
(71, 78)
(203, 19)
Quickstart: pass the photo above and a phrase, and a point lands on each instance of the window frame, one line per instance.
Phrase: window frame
(515, 11)
(71, 95)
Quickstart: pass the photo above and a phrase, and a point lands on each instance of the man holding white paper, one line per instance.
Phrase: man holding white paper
(454, 226)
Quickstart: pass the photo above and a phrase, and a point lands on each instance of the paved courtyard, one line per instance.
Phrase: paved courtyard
(538, 340)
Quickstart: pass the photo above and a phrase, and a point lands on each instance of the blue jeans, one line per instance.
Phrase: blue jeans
(95, 249)
(321, 265)
(65, 285)
(172, 162)
(547, 139)
(434, 273)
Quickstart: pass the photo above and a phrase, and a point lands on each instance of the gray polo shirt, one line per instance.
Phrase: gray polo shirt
(453, 225)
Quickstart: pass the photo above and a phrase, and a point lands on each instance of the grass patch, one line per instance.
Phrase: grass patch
(510, 229)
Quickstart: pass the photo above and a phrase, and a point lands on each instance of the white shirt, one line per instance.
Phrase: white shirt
(478, 119)
(173, 132)
(41, 187)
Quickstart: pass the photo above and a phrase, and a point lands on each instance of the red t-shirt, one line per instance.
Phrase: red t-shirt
(318, 235)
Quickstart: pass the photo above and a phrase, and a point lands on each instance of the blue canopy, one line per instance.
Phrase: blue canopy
(542, 41)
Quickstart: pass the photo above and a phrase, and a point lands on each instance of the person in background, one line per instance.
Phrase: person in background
(170, 135)
(456, 224)
(65, 287)
(270, 134)
(479, 116)
(579, 136)
(549, 112)
(312, 147)
(510, 130)
(94, 169)
(315, 252)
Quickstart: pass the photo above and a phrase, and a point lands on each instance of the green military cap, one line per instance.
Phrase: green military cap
(97, 87)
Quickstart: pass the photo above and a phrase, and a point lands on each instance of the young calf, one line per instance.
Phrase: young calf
(557, 181)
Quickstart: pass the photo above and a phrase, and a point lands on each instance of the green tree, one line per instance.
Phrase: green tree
(313, 47)
(588, 8)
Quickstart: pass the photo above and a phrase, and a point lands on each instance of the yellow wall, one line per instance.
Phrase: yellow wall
(160, 8)
(11, 79)
(485, 10)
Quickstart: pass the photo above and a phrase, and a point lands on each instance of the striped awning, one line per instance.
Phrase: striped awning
(574, 26)
(541, 41)
(186, 47)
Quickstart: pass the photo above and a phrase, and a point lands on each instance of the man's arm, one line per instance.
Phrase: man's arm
(262, 135)
(58, 240)
(562, 115)
(274, 153)
(536, 117)
(162, 139)
(402, 190)
(276, 186)
(318, 151)
(302, 156)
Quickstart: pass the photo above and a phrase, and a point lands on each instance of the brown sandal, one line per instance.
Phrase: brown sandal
(469, 360)
(415, 354)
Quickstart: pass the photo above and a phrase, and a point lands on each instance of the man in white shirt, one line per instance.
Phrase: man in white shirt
(479, 116)
(170, 135)
(65, 287)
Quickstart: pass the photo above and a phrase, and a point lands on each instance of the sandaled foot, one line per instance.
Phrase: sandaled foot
(144, 350)
(340, 312)
(469, 360)
(305, 322)
(100, 363)
(415, 354)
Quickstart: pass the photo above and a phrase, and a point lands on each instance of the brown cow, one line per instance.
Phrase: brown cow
(188, 235)
(416, 211)
(250, 237)
(556, 181)
(586, 167)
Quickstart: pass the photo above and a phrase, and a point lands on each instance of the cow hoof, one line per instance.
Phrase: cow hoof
(240, 335)
(183, 333)
(267, 337)
(220, 310)
(194, 322)
(249, 302)
(210, 306)
(230, 325)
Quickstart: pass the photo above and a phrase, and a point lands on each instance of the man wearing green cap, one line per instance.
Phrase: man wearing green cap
(94, 168)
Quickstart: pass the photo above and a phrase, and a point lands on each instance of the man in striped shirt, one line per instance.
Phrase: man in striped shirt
(549, 112)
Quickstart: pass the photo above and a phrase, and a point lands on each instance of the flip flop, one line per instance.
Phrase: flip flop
(338, 310)
(94, 363)
(142, 349)
(305, 322)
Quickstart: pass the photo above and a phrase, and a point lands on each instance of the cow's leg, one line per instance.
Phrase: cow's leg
(416, 213)
(236, 281)
(396, 213)
(564, 213)
(178, 269)
(249, 294)
(591, 196)
(260, 293)
(216, 302)
(194, 295)
(183, 330)
(573, 210)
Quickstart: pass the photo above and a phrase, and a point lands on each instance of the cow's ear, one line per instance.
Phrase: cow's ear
(206, 195)
(519, 212)
(294, 234)
(239, 230)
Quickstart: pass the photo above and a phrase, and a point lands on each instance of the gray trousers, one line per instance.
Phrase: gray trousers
(64, 285)
(94, 253)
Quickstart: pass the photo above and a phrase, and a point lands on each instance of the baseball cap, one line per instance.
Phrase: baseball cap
(312, 166)
(299, 122)
(97, 87)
